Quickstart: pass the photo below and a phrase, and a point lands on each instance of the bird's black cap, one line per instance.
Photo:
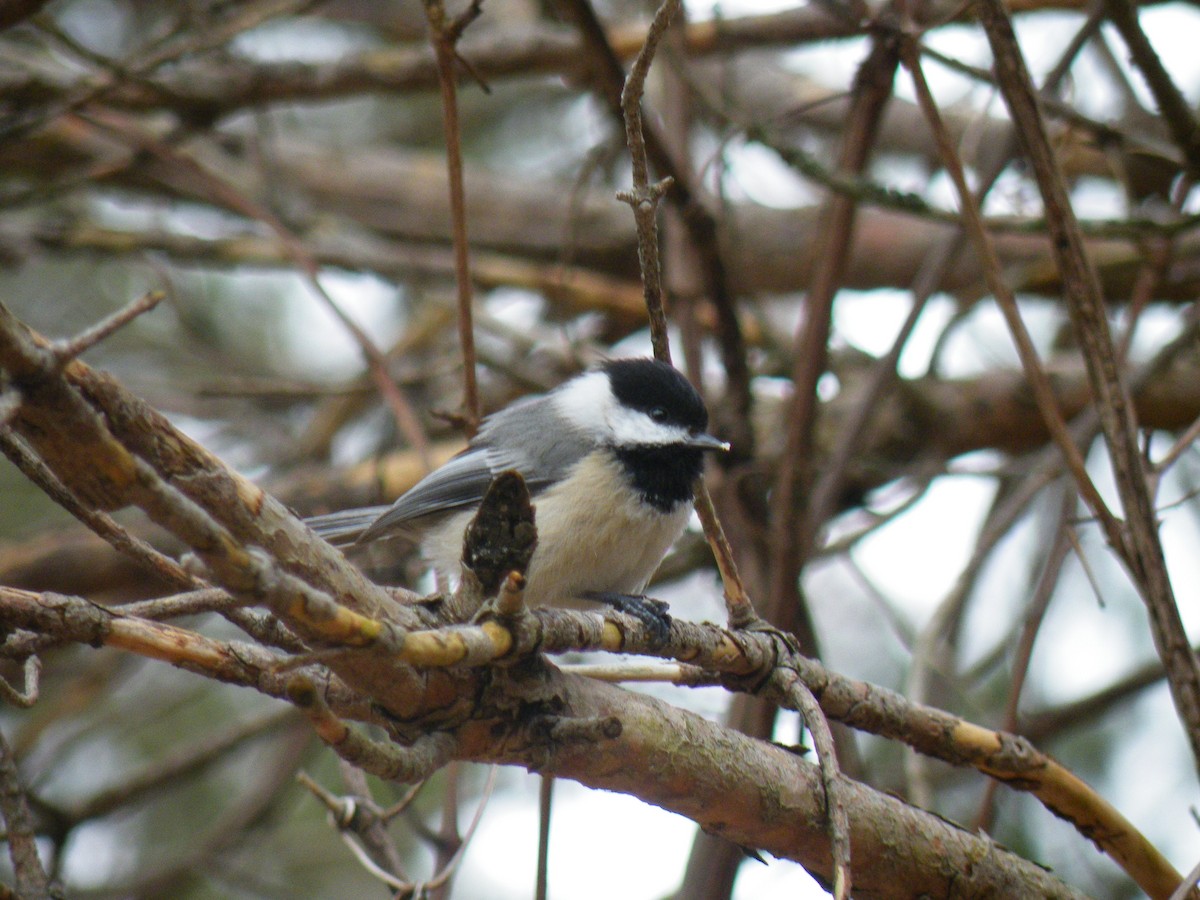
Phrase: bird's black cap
(657, 389)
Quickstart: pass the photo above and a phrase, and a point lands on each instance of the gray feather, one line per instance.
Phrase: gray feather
(344, 527)
(537, 443)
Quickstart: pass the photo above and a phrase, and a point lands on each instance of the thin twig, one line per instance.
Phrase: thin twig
(364, 859)
(929, 279)
(643, 199)
(385, 760)
(545, 802)
(661, 673)
(145, 60)
(443, 876)
(169, 771)
(837, 823)
(1182, 444)
(403, 803)
(686, 196)
(1175, 108)
(1188, 883)
(1039, 381)
(739, 608)
(1035, 614)
(444, 35)
(449, 842)
(32, 882)
(792, 532)
(85, 340)
(372, 828)
(345, 815)
(27, 694)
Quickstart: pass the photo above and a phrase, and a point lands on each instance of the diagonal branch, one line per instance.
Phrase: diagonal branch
(1140, 550)
(32, 882)
(792, 530)
(1180, 117)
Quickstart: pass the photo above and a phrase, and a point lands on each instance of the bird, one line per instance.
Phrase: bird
(610, 458)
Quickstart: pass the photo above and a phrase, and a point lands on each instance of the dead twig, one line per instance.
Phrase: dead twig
(801, 699)
(32, 882)
(444, 35)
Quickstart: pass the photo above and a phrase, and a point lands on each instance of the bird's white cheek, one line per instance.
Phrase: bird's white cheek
(630, 427)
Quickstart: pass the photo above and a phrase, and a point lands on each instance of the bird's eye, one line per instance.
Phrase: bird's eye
(658, 414)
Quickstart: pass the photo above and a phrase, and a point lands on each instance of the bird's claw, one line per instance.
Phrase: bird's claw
(650, 612)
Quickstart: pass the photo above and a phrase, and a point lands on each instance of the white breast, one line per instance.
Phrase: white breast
(613, 544)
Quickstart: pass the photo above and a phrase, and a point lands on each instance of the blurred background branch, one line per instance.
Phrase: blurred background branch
(263, 164)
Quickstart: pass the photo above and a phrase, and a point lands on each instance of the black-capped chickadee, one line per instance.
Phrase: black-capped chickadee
(610, 458)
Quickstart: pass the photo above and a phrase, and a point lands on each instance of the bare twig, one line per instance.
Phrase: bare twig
(449, 842)
(700, 223)
(148, 59)
(76, 346)
(738, 605)
(359, 815)
(801, 699)
(32, 880)
(1187, 885)
(1175, 108)
(451, 866)
(27, 694)
(228, 196)
(376, 838)
(929, 279)
(1038, 379)
(1035, 613)
(545, 801)
(167, 772)
(643, 199)
(444, 35)
(389, 761)
(661, 673)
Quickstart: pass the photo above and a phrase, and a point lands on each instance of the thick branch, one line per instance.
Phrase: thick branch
(913, 854)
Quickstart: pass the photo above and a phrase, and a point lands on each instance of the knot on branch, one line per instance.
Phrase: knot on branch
(502, 536)
(509, 612)
(566, 730)
(646, 197)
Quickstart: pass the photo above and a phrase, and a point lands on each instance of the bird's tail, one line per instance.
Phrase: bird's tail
(345, 527)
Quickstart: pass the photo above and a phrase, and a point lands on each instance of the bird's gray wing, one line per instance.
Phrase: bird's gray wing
(526, 436)
(458, 484)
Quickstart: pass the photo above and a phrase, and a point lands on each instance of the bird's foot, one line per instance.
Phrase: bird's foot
(650, 612)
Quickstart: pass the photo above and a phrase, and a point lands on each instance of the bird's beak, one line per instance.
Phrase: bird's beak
(707, 442)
